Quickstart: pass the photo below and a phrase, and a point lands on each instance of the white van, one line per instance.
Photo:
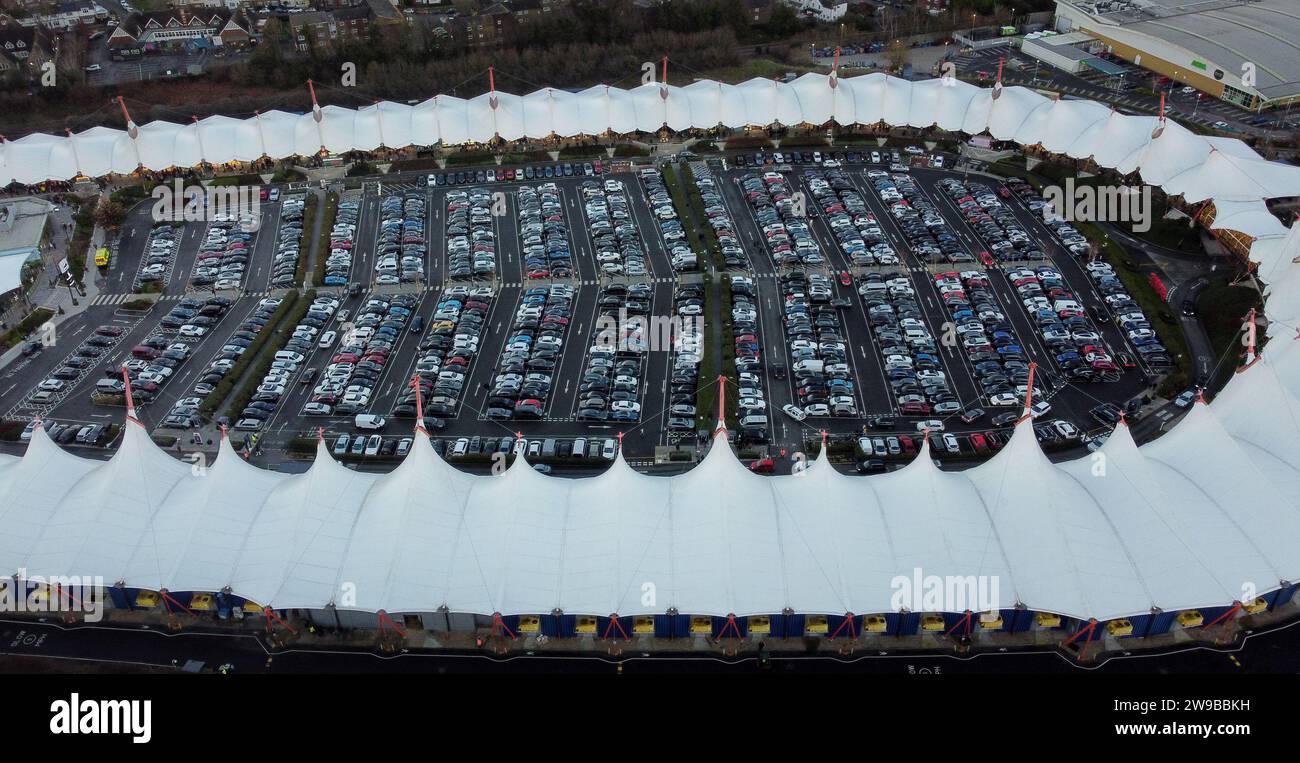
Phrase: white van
(369, 421)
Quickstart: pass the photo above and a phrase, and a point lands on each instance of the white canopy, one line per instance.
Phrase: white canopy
(1196, 518)
(1197, 167)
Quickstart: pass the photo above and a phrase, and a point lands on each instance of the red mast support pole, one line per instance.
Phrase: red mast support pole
(499, 625)
(731, 625)
(1029, 393)
(386, 622)
(271, 615)
(664, 78)
(130, 123)
(1088, 629)
(848, 623)
(614, 623)
(722, 403)
(419, 404)
(130, 401)
(965, 620)
(168, 597)
(1236, 607)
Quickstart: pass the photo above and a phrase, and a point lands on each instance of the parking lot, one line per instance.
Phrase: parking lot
(897, 313)
(519, 305)
(871, 296)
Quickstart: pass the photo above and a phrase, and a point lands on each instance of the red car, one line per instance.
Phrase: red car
(763, 466)
(978, 442)
(845, 278)
(987, 259)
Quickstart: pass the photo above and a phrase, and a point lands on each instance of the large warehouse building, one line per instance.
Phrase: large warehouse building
(1246, 52)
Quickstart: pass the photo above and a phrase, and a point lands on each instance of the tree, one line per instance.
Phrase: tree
(110, 214)
(783, 22)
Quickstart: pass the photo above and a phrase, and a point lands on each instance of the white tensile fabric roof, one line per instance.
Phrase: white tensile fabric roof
(1196, 518)
(1197, 167)
(1199, 517)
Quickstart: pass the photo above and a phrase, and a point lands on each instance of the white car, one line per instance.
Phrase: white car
(794, 412)
(51, 385)
(1004, 399)
(817, 409)
(1065, 429)
(192, 331)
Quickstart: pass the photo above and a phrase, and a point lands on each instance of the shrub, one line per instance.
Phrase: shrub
(304, 242)
(227, 384)
(747, 142)
(323, 244)
(289, 313)
(25, 327)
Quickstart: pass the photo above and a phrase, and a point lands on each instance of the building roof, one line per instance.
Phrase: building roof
(1226, 33)
(1181, 523)
(1185, 521)
(16, 40)
(384, 10)
(137, 24)
(22, 222)
(1222, 169)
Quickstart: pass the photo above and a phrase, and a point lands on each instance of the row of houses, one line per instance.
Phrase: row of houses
(217, 26)
(23, 48)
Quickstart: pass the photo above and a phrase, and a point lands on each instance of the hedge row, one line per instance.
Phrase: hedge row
(722, 334)
(1139, 288)
(706, 395)
(297, 308)
(85, 219)
(227, 384)
(304, 241)
(734, 144)
(323, 243)
(801, 141)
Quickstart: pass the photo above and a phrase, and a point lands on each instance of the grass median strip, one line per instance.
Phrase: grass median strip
(1139, 288)
(297, 308)
(718, 332)
(227, 384)
(304, 241)
(323, 242)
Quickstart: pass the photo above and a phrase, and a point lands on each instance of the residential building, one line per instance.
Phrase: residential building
(22, 47)
(214, 26)
(324, 29)
(74, 13)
